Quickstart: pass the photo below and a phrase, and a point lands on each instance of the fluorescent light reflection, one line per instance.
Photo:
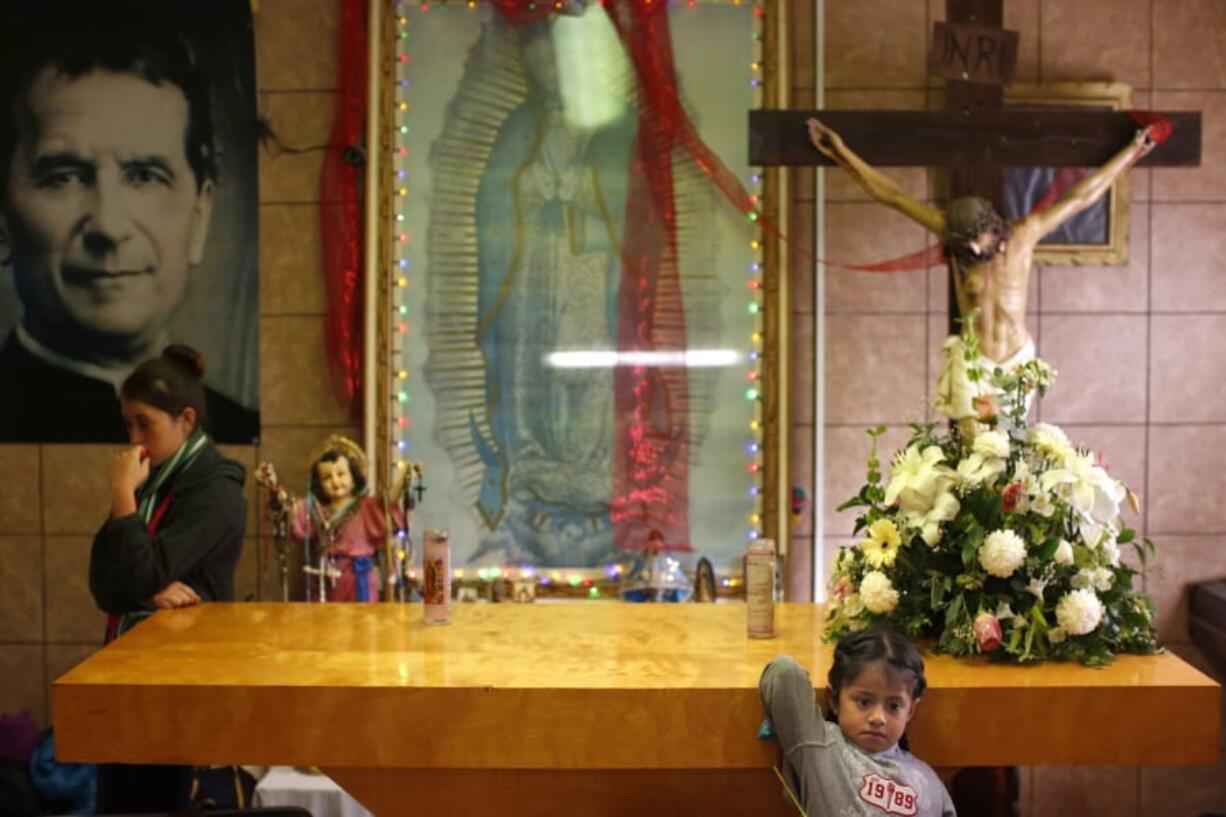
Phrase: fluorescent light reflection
(607, 359)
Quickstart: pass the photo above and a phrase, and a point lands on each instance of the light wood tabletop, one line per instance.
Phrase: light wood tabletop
(578, 687)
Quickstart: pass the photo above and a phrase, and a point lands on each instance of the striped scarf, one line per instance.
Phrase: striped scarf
(147, 494)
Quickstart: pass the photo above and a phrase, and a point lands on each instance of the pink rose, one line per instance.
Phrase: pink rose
(842, 589)
(985, 408)
(1011, 496)
(987, 632)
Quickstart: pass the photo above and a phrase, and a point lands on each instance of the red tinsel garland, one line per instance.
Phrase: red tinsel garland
(341, 227)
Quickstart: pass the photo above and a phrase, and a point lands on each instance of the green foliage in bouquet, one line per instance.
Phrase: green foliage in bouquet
(991, 536)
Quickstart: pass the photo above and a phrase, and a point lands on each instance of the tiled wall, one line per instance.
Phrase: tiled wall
(1141, 349)
(55, 496)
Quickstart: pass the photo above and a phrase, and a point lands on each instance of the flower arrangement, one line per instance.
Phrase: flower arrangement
(991, 536)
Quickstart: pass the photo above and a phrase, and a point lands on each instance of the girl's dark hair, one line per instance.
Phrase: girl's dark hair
(856, 651)
(172, 382)
(355, 470)
(860, 649)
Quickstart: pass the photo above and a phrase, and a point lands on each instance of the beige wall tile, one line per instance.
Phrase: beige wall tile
(300, 120)
(1079, 791)
(21, 577)
(845, 461)
(912, 180)
(246, 574)
(291, 274)
(72, 615)
(875, 366)
(800, 461)
(24, 687)
(1187, 46)
(19, 502)
(1189, 242)
(296, 44)
(246, 456)
(295, 384)
(1100, 362)
(801, 393)
(802, 271)
(1103, 40)
(1180, 562)
(63, 657)
(1184, 465)
(76, 487)
(1187, 369)
(1206, 182)
(869, 233)
(1102, 289)
(883, 44)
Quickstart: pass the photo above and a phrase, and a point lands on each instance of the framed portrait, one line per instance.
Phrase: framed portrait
(1097, 236)
(129, 217)
(575, 309)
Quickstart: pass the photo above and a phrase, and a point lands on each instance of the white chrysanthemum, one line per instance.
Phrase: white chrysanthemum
(1079, 612)
(878, 592)
(1086, 487)
(1051, 442)
(1002, 553)
(1082, 579)
(1103, 579)
(1064, 553)
(992, 444)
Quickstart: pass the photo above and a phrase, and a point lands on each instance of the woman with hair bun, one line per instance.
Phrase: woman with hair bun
(173, 537)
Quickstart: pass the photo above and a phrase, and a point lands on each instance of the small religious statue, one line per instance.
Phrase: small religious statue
(345, 530)
(990, 258)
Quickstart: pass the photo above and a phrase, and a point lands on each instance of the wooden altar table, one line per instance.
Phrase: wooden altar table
(586, 708)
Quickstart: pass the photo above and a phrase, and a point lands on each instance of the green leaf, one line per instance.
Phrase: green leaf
(1049, 548)
(1125, 536)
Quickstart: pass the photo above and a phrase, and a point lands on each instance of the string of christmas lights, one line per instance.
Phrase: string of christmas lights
(401, 240)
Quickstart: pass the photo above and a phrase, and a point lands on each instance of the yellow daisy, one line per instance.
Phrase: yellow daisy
(881, 547)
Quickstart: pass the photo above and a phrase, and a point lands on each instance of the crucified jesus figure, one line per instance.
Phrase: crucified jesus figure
(989, 258)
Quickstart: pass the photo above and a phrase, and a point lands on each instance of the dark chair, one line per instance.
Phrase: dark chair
(1207, 619)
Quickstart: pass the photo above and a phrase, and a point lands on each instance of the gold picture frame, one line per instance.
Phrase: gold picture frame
(1099, 236)
(391, 371)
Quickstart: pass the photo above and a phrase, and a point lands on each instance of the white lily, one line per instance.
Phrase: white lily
(917, 478)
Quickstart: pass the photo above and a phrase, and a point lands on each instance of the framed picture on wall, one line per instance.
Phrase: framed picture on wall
(1097, 236)
(576, 307)
(129, 209)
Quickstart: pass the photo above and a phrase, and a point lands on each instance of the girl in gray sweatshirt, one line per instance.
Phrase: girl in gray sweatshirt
(855, 766)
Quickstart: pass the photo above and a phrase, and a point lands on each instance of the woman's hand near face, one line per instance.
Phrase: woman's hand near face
(175, 594)
(129, 468)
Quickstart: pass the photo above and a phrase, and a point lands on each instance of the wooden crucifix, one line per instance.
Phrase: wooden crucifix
(975, 137)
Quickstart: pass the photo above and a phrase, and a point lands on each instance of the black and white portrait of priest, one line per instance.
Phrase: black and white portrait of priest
(128, 209)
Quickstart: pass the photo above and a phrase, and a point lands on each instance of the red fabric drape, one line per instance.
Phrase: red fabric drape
(341, 227)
